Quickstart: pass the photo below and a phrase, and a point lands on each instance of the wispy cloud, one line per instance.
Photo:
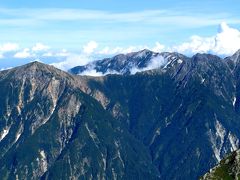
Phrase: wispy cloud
(25, 53)
(9, 47)
(40, 47)
(112, 30)
(170, 17)
(72, 60)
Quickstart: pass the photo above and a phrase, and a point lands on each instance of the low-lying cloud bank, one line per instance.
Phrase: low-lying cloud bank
(93, 72)
(154, 63)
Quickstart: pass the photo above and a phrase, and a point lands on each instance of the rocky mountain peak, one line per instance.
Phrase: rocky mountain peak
(140, 54)
(35, 70)
(36, 65)
(130, 63)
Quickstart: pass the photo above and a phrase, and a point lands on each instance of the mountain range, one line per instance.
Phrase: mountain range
(154, 115)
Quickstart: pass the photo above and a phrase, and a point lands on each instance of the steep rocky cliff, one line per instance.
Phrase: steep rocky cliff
(50, 129)
(175, 120)
(186, 112)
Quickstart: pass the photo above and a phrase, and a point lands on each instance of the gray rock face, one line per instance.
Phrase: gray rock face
(186, 112)
(172, 120)
(50, 129)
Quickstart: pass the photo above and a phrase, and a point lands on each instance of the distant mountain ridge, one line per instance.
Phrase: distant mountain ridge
(129, 63)
(172, 122)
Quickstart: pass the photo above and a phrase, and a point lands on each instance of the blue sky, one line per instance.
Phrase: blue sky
(110, 27)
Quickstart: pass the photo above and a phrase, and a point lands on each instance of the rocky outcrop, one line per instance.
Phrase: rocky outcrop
(228, 168)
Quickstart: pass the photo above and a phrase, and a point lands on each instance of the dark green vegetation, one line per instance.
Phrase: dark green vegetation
(227, 169)
(174, 122)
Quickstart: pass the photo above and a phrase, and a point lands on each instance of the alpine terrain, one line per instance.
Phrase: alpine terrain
(151, 115)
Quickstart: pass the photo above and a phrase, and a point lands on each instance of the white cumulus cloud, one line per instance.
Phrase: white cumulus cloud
(120, 50)
(196, 44)
(91, 72)
(40, 47)
(76, 59)
(90, 47)
(154, 63)
(158, 47)
(225, 42)
(25, 53)
(62, 53)
(8, 47)
(72, 60)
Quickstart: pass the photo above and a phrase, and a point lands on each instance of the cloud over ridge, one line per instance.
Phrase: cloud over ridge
(224, 43)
